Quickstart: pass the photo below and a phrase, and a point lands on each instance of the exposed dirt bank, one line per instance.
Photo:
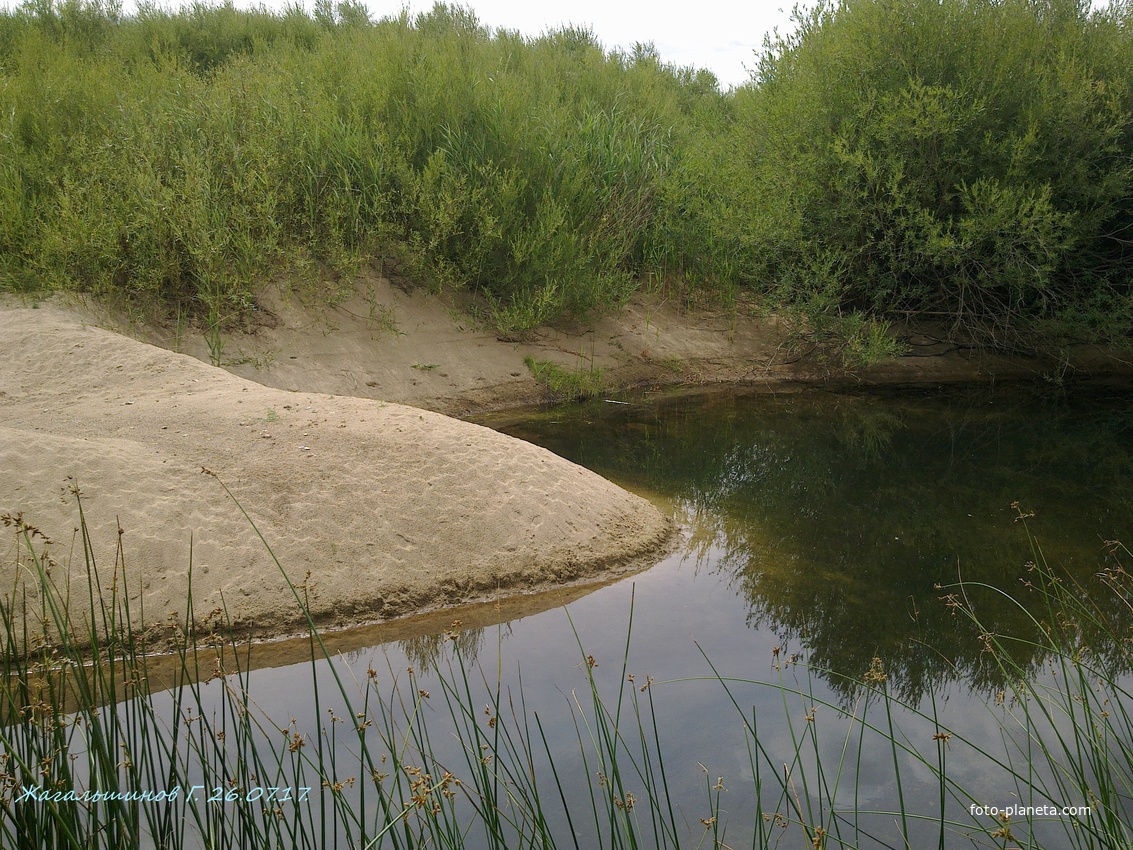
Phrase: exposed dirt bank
(425, 350)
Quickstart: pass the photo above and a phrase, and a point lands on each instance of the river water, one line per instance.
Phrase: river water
(823, 536)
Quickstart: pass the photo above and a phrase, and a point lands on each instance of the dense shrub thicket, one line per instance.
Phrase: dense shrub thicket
(182, 155)
(966, 160)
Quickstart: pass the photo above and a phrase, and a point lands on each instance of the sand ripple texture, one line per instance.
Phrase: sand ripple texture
(375, 509)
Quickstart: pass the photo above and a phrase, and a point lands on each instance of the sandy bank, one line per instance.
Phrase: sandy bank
(376, 508)
(427, 350)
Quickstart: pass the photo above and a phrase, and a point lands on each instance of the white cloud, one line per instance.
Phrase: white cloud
(720, 35)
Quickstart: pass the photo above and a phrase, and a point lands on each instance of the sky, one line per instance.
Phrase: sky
(720, 35)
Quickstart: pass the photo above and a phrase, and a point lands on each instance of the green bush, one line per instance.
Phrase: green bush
(185, 155)
(565, 384)
(963, 160)
(968, 162)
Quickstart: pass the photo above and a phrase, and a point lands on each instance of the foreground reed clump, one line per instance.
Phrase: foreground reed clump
(1057, 770)
(102, 746)
(99, 749)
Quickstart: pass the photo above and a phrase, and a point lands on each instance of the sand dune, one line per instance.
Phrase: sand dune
(377, 509)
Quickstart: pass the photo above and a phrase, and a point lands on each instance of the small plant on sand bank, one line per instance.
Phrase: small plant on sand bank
(566, 384)
(845, 342)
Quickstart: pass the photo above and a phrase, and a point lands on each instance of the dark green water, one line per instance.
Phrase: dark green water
(820, 524)
(836, 518)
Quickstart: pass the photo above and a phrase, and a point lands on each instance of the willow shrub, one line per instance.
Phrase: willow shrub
(184, 155)
(964, 160)
(968, 160)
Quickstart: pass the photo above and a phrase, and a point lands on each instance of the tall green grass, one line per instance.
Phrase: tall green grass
(1063, 735)
(84, 712)
(82, 716)
(187, 155)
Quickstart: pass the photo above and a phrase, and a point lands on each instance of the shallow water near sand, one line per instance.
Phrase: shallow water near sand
(822, 527)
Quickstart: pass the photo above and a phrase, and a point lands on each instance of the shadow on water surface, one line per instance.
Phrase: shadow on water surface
(839, 518)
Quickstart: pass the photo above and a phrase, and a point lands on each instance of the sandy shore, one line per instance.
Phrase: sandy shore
(425, 349)
(375, 509)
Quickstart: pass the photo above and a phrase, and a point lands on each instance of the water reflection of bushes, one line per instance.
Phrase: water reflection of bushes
(836, 516)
